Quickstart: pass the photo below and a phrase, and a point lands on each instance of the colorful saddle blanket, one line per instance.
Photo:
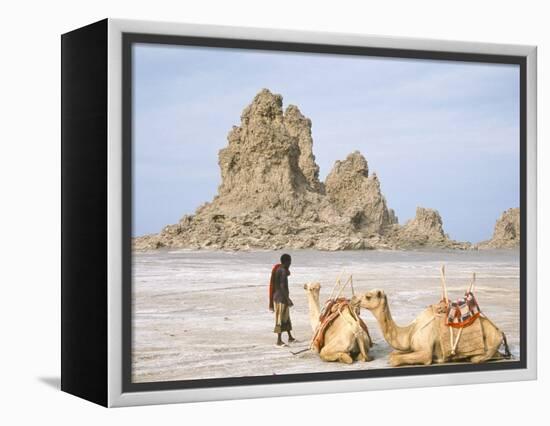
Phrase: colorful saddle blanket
(330, 312)
(463, 312)
(470, 340)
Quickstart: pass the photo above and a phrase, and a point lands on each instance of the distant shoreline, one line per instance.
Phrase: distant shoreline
(267, 250)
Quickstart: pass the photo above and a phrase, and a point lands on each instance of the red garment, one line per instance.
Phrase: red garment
(271, 284)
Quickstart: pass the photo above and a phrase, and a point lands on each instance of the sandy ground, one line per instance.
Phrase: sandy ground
(204, 314)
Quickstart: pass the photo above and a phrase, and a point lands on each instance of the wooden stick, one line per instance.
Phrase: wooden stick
(472, 283)
(455, 344)
(444, 284)
(336, 285)
(344, 286)
(446, 296)
(351, 284)
(299, 352)
(451, 335)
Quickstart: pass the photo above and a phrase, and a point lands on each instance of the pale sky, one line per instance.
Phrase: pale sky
(439, 134)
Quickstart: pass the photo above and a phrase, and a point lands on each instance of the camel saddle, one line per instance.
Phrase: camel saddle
(332, 309)
(463, 312)
(471, 340)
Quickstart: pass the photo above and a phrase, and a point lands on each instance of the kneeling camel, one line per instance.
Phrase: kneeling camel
(344, 339)
(418, 342)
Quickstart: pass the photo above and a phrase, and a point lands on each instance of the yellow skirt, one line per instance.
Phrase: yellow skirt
(282, 318)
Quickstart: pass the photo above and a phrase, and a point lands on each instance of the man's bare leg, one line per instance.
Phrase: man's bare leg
(279, 340)
(290, 338)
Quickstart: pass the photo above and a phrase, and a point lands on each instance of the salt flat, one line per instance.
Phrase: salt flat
(204, 314)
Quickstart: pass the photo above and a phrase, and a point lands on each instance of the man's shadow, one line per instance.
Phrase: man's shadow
(54, 382)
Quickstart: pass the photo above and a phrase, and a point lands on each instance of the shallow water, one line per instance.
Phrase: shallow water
(204, 314)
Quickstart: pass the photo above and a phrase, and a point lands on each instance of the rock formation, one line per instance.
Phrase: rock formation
(425, 230)
(299, 127)
(357, 196)
(262, 157)
(507, 231)
(270, 196)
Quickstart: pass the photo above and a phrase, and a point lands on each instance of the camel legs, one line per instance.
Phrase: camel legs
(345, 357)
(335, 356)
(363, 355)
(486, 357)
(410, 358)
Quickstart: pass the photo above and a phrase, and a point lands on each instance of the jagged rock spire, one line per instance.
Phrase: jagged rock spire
(261, 167)
(507, 231)
(299, 127)
(357, 195)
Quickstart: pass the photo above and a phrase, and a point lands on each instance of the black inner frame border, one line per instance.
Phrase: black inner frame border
(129, 39)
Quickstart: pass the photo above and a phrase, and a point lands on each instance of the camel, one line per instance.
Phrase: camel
(345, 340)
(418, 342)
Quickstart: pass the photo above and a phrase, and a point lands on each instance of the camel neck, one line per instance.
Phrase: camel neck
(314, 309)
(396, 336)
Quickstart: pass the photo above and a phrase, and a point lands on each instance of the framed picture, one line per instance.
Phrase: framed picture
(252, 213)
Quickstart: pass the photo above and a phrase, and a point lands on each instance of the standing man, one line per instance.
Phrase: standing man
(281, 300)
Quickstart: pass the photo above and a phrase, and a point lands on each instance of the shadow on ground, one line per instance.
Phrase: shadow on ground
(54, 382)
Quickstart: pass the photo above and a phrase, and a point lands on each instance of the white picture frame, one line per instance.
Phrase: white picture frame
(116, 393)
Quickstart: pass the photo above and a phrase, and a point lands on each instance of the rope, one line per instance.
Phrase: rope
(423, 327)
(355, 316)
(353, 325)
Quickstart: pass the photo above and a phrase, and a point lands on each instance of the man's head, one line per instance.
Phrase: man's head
(286, 260)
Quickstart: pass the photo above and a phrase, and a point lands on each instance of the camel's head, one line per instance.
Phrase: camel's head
(373, 299)
(312, 288)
